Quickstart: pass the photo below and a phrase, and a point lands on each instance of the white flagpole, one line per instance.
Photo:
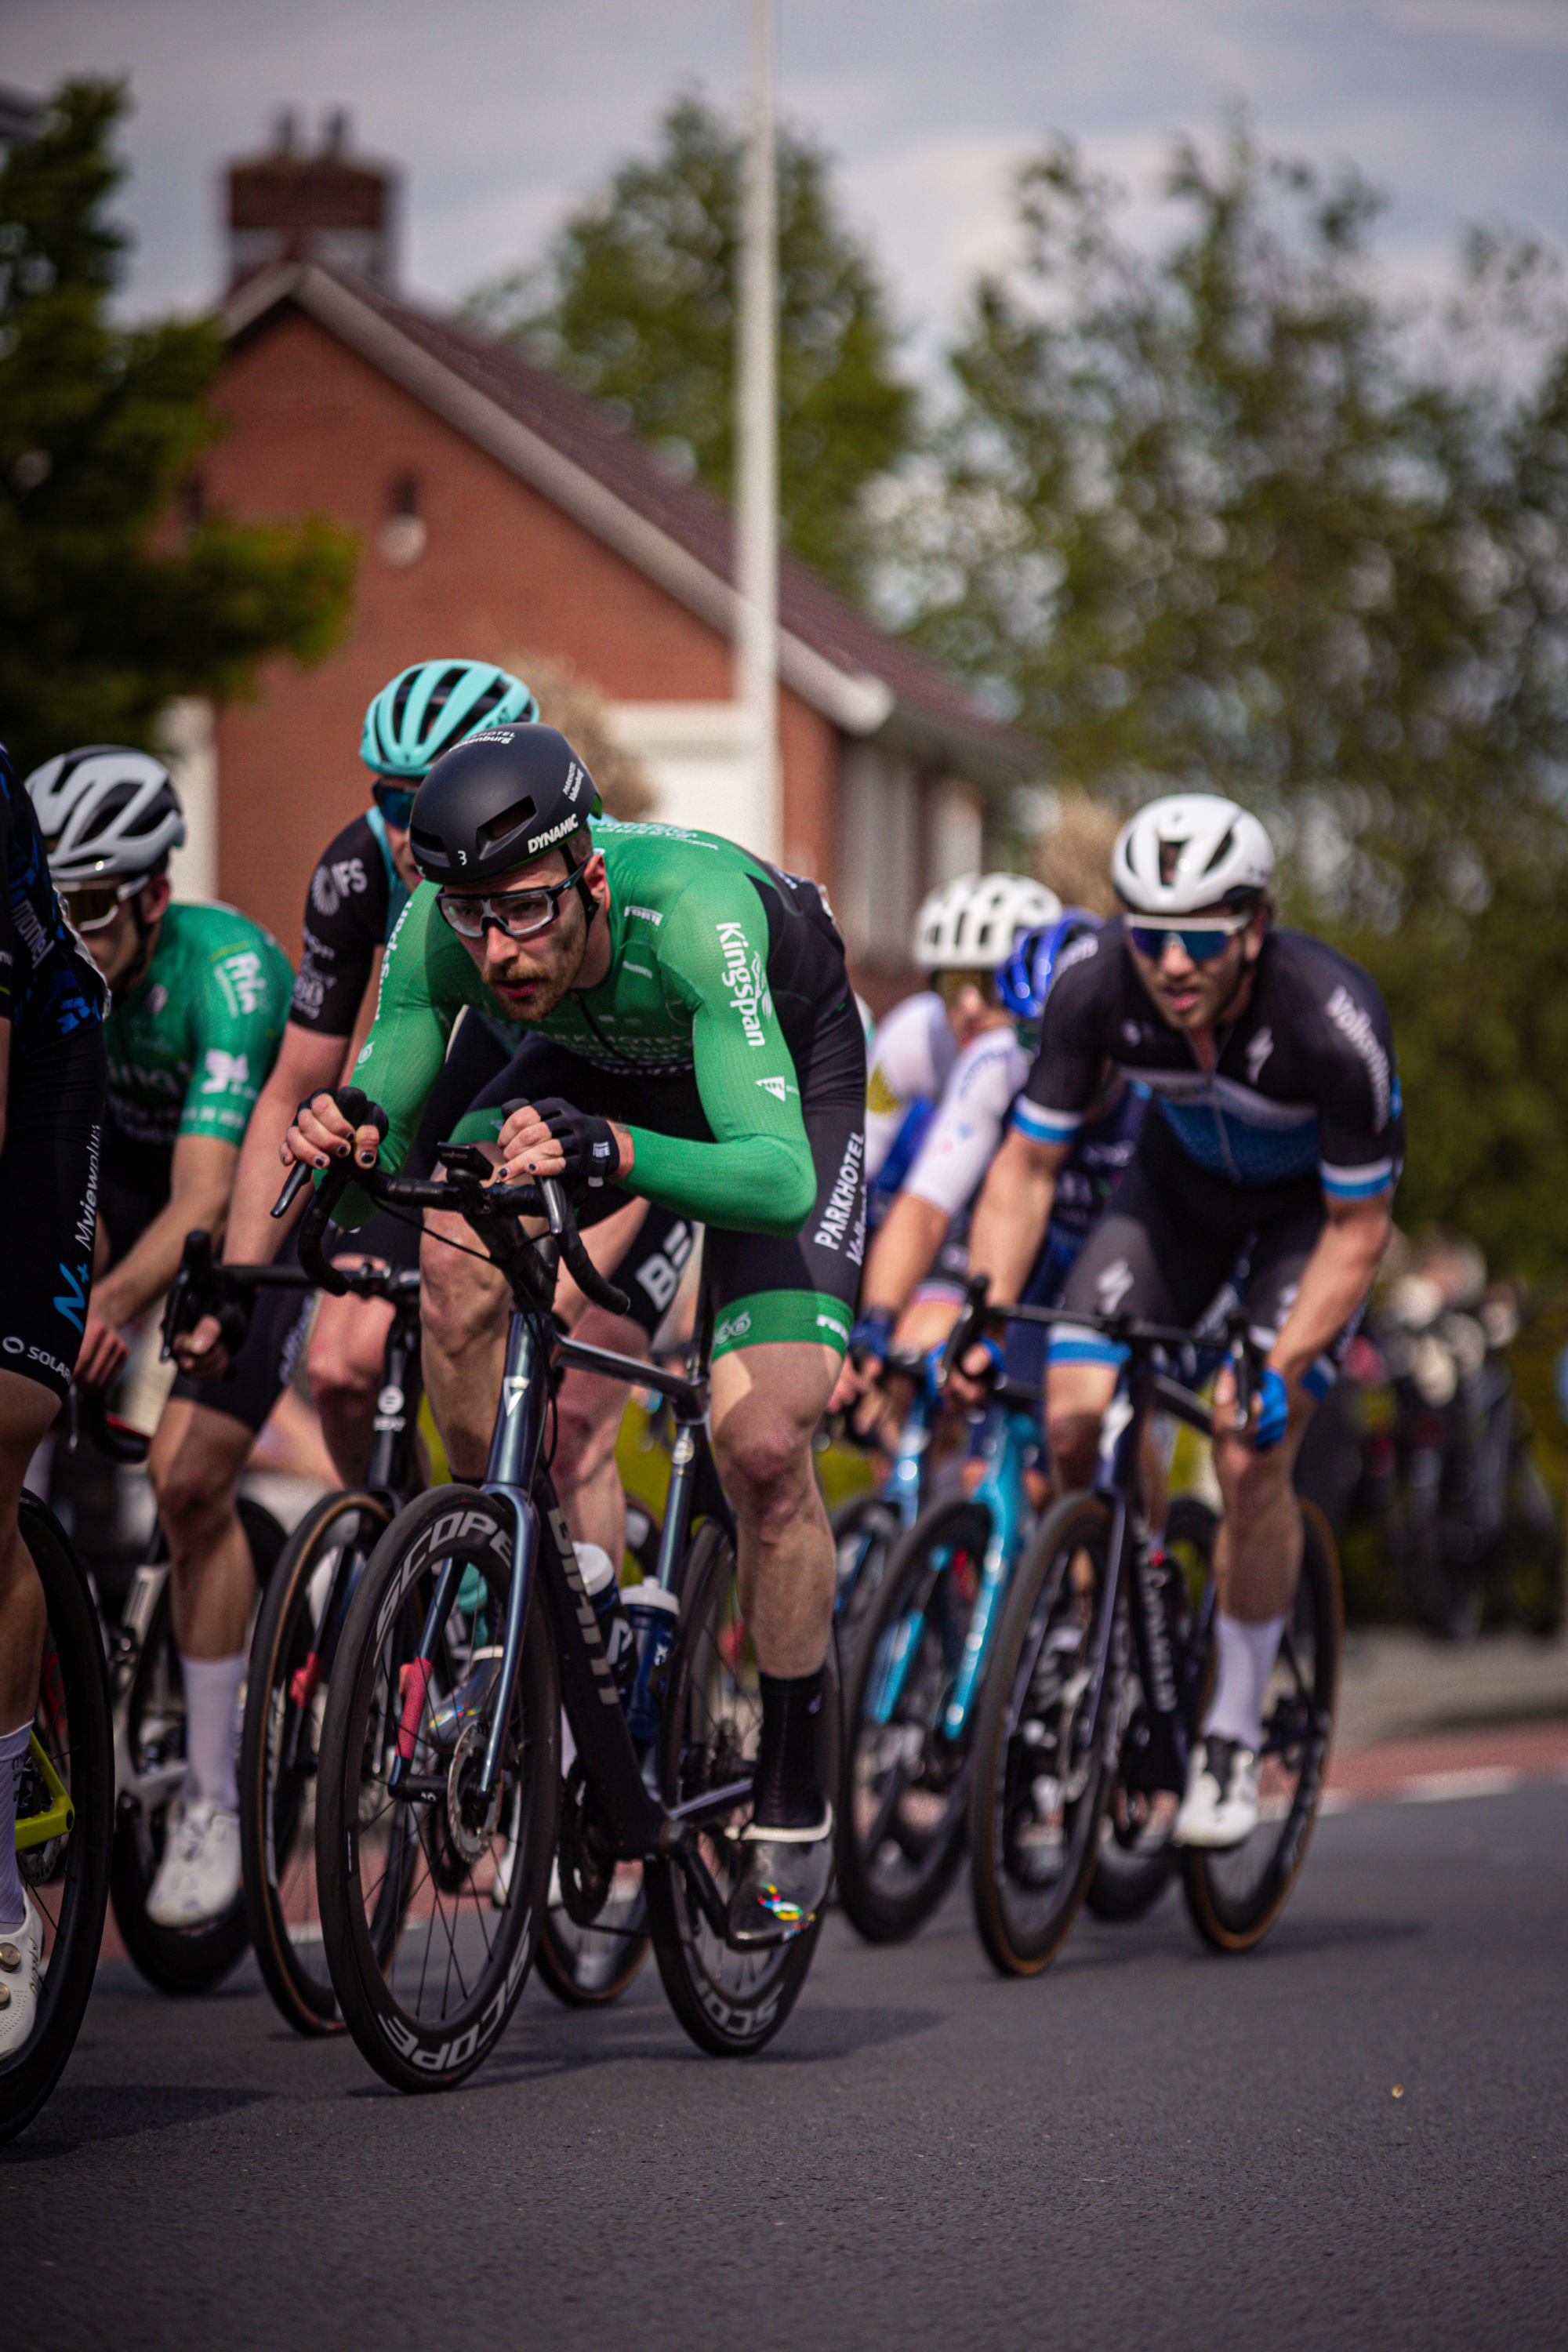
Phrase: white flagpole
(757, 565)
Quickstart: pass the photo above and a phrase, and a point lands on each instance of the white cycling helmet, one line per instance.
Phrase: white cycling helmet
(105, 812)
(972, 922)
(1194, 851)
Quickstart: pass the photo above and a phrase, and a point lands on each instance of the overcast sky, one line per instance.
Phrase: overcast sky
(501, 112)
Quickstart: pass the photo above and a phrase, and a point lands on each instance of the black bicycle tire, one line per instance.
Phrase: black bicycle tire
(1229, 1928)
(1123, 1888)
(877, 1915)
(446, 2054)
(710, 2021)
(1009, 1953)
(181, 1960)
(850, 1623)
(28, 2078)
(307, 2003)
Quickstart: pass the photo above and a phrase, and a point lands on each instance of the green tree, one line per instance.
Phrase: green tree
(634, 301)
(1204, 516)
(108, 608)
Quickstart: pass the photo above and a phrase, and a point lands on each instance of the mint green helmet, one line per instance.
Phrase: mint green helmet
(433, 705)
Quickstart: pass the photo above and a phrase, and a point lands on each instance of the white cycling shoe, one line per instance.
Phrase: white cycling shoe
(1220, 1808)
(20, 1951)
(198, 1877)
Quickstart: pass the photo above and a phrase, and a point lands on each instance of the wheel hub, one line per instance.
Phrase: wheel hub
(470, 1823)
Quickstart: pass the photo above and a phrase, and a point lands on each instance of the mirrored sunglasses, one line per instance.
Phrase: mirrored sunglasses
(1200, 941)
(950, 984)
(518, 913)
(92, 905)
(395, 802)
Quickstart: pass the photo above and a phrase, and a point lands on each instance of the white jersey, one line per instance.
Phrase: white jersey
(912, 1055)
(961, 1141)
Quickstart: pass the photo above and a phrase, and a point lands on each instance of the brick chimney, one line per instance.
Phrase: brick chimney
(330, 206)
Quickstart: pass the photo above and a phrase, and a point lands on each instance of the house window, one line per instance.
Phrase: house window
(403, 535)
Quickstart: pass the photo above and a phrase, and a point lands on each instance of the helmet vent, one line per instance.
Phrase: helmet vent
(1223, 851)
(429, 849)
(500, 829)
(1170, 858)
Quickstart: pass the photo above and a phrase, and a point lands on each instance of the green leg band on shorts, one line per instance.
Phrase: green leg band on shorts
(768, 1316)
(478, 1125)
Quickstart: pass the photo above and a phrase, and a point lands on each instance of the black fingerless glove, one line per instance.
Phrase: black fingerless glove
(589, 1144)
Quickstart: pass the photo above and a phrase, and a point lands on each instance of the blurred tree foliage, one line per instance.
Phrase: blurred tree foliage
(636, 302)
(1222, 513)
(103, 615)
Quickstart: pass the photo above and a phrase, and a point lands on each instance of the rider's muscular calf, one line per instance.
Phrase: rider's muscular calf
(767, 1401)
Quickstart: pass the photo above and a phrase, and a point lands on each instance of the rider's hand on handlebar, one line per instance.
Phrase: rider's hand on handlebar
(202, 1352)
(321, 1134)
(103, 1352)
(553, 1139)
(1267, 1418)
(975, 1374)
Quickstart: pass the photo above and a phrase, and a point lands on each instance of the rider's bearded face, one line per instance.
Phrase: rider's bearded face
(1191, 995)
(530, 977)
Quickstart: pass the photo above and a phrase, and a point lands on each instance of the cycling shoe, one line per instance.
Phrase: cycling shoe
(783, 1884)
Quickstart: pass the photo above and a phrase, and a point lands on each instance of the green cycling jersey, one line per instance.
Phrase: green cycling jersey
(721, 969)
(191, 1043)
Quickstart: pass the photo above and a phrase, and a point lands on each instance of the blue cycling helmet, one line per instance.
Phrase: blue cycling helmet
(1022, 982)
(429, 707)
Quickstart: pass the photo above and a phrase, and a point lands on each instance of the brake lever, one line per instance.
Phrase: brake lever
(967, 1329)
(579, 1264)
(360, 1111)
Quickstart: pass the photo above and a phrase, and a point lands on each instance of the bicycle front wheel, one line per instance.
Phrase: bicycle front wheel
(64, 1819)
(1044, 1750)
(1235, 1896)
(280, 1747)
(904, 1791)
(731, 2002)
(430, 1895)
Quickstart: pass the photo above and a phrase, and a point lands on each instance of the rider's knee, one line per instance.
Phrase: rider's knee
(345, 1364)
(588, 1419)
(194, 1489)
(459, 1300)
(1073, 1437)
(765, 1462)
(1250, 1483)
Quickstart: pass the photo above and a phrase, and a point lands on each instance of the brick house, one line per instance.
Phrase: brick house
(497, 510)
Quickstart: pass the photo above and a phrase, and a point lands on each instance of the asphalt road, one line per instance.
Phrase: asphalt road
(1356, 2137)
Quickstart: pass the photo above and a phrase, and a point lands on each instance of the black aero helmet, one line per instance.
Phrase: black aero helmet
(497, 801)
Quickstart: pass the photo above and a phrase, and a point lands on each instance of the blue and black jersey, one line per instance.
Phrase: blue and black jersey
(1305, 1077)
(49, 984)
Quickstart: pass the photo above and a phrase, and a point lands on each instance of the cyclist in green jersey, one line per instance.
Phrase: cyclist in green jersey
(693, 1040)
(198, 995)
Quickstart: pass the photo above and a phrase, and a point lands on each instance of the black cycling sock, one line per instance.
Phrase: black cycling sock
(788, 1789)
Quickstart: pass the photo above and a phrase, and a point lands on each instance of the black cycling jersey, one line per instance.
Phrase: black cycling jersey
(352, 907)
(49, 984)
(1305, 1076)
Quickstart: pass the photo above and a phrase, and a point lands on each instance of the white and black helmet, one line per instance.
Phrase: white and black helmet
(972, 923)
(1189, 853)
(105, 812)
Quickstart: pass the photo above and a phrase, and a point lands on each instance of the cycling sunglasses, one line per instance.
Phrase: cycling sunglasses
(395, 802)
(518, 913)
(950, 984)
(1201, 941)
(92, 905)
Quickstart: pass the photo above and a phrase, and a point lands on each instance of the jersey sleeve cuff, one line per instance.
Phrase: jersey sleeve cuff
(1357, 1183)
(1043, 1126)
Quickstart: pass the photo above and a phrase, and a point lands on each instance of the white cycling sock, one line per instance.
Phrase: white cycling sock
(1245, 1660)
(12, 1755)
(212, 1705)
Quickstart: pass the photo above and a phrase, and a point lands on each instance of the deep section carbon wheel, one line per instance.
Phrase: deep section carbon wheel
(1235, 1896)
(431, 1896)
(1044, 1746)
(731, 2003)
(64, 1819)
(301, 1614)
(903, 1796)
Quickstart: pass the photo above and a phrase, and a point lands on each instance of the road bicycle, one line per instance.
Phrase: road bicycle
(294, 1646)
(440, 1805)
(1103, 1666)
(65, 1815)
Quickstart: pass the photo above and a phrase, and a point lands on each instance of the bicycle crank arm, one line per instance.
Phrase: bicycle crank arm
(712, 1804)
(676, 1841)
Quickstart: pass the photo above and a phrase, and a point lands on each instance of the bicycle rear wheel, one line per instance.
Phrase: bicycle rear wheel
(1235, 1896)
(1138, 1857)
(1045, 1748)
(903, 1794)
(731, 2003)
(426, 1959)
(152, 1724)
(280, 1752)
(68, 1775)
